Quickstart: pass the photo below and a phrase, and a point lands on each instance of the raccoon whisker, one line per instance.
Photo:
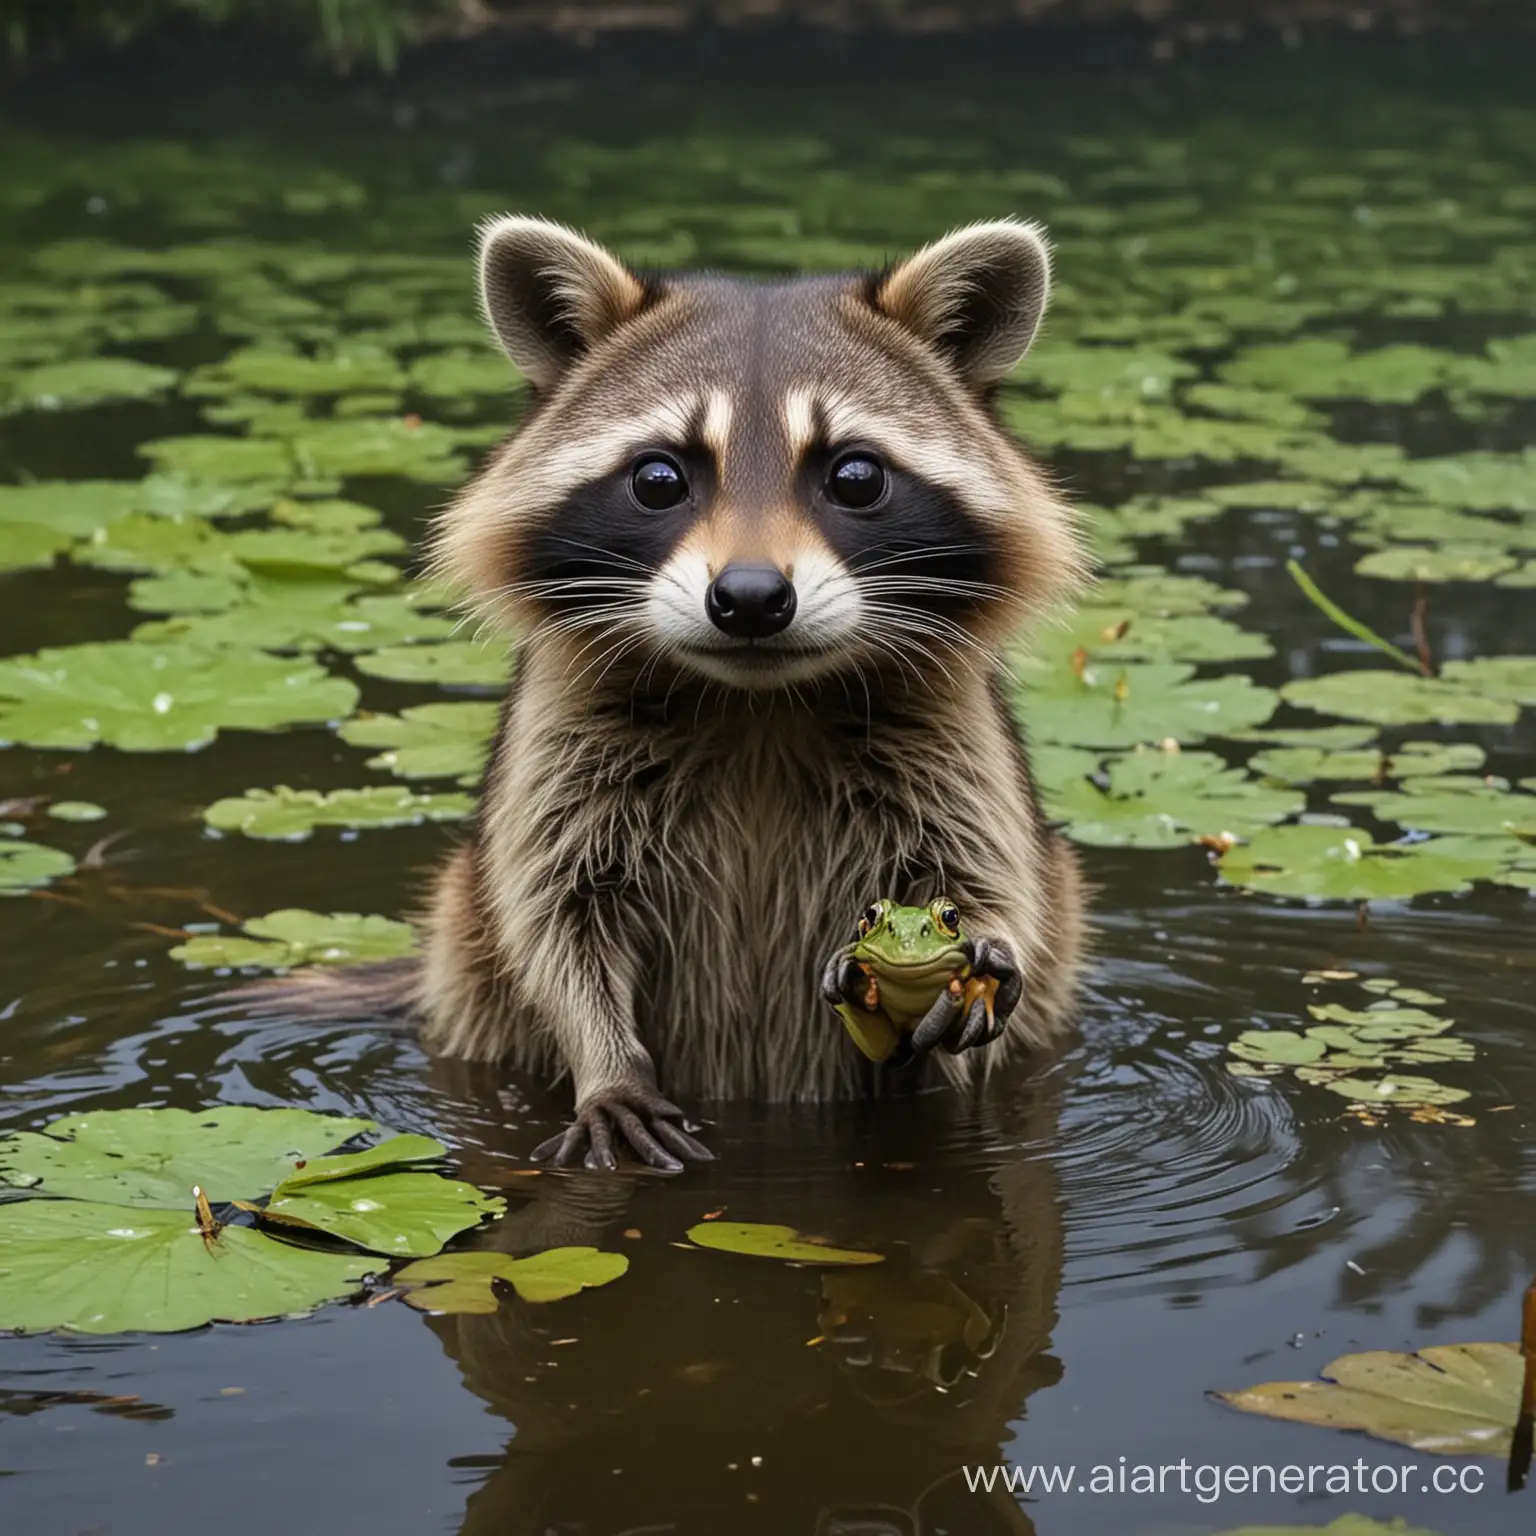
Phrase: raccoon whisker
(934, 626)
(610, 557)
(945, 585)
(927, 552)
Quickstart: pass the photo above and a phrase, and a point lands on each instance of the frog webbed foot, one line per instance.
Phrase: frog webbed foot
(633, 1114)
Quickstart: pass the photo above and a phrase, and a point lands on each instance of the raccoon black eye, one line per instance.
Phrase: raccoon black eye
(856, 481)
(657, 483)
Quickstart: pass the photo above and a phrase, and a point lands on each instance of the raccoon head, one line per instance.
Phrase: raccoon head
(762, 483)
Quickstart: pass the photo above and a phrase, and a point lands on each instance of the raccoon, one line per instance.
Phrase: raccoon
(761, 545)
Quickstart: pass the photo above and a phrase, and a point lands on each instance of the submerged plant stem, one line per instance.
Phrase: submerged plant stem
(1320, 600)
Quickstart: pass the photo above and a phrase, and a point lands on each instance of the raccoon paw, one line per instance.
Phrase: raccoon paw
(992, 964)
(630, 1114)
(843, 982)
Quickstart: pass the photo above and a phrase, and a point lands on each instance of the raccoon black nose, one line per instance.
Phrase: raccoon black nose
(750, 602)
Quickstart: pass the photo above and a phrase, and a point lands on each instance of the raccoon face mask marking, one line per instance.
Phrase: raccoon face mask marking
(762, 484)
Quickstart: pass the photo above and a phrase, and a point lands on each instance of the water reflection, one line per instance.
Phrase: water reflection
(708, 1392)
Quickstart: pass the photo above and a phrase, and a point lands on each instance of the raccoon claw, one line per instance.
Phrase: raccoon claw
(636, 1116)
(991, 960)
(842, 981)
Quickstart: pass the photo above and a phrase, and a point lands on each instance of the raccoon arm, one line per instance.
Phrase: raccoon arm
(585, 1003)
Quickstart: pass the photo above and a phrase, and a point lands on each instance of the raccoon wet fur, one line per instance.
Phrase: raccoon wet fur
(760, 546)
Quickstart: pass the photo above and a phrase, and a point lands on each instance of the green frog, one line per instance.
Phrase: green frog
(916, 964)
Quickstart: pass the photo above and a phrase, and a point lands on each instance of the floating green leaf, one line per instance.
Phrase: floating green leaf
(1319, 369)
(404, 1215)
(76, 810)
(218, 458)
(25, 865)
(452, 663)
(91, 1268)
(1395, 698)
(1445, 562)
(1121, 705)
(158, 698)
(153, 1157)
(1448, 1400)
(293, 936)
(766, 1241)
(1155, 799)
(295, 813)
(1486, 482)
(1306, 765)
(1470, 808)
(463, 1282)
(1496, 677)
(1346, 864)
(85, 381)
(430, 740)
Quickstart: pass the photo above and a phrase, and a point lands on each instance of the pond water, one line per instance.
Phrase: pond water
(1073, 1265)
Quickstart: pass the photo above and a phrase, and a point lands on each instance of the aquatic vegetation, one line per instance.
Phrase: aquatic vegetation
(764, 1240)
(1332, 863)
(1309, 764)
(292, 814)
(24, 865)
(158, 698)
(1160, 799)
(121, 1232)
(1446, 1400)
(453, 663)
(1361, 1053)
(428, 741)
(292, 937)
(1394, 698)
(464, 1282)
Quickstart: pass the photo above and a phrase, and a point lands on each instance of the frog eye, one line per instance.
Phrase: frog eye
(947, 916)
(871, 918)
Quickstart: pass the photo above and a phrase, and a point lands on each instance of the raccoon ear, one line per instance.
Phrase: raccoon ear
(550, 294)
(977, 295)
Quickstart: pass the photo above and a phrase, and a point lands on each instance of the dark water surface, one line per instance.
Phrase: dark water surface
(1136, 1226)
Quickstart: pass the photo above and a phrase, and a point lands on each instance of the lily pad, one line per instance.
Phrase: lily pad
(1472, 809)
(463, 1282)
(1122, 704)
(1346, 864)
(83, 382)
(1496, 677)
(76, 508)
(460, 663)
(430, 740)
(273, 371)
(293, 936)
(1281, 1047)
(1307, 765)
(1398, 698)
(404, 1215)
(26, 865)
(159, 698)
(1448, 1400)
(1316, 368)
(1126, 634)
(153, 1157)
(90, 1268)
(1484, 482)
(1444, 562)
(76, 810)
(1164, 799)
(766, 1241)
(212, 457)
(292, 814)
